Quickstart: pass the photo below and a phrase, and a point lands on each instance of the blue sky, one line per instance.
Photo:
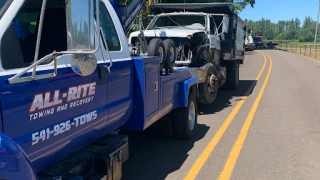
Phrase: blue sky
(281, 10)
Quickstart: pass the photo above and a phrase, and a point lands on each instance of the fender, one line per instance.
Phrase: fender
(14, 163)
(186, 87)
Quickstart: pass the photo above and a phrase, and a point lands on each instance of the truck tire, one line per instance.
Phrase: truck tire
(156, 48)
(232, 75)
(185, 118)
(171, 53)
(208, 90)
(202, 56)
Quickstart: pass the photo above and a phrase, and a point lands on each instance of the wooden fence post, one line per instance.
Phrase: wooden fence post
(310, 51)
(300, 48)
(305, 49)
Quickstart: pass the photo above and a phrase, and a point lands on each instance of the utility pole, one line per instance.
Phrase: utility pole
(315, 35)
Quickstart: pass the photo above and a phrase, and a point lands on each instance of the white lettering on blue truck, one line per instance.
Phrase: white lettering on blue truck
(63, 127)
(45, 104)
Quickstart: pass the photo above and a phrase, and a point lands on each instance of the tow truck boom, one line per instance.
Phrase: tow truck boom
(128, 13)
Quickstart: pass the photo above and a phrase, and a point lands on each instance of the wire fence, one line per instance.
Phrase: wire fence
(310, 50)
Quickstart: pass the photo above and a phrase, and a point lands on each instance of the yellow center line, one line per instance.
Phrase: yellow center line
(235, 152)
(214, 141)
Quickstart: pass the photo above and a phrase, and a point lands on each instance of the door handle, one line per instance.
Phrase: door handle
(156, 86)
(102, 75)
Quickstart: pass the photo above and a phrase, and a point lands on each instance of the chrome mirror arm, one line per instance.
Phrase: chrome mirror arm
(16, 78)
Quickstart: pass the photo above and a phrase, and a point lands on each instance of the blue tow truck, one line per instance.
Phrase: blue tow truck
(68, 84)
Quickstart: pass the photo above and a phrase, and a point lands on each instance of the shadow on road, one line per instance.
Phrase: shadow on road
(154, 157)
(224, 97)
(266, 48)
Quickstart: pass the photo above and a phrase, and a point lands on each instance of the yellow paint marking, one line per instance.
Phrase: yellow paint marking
(212, 144)
(235, 152)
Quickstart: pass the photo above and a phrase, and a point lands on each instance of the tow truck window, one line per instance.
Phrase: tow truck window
(108, 29)
(2, 2)
(19, 42)
(3, 5)
(25, 23)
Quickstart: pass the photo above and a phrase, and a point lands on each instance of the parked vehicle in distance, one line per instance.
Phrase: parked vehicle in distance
(258, 41)
(249, 44)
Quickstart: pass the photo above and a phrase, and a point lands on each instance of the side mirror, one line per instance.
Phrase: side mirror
(225, 24)
(83, 35)
(80, 25)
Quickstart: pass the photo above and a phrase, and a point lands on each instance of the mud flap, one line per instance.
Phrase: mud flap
(115, 166)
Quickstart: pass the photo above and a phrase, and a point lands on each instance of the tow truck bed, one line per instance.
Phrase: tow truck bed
(163, 92)
(155, 96)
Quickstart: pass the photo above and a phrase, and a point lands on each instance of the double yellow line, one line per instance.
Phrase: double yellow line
(234, 154)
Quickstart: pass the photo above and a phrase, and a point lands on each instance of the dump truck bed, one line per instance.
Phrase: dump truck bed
(225, 8)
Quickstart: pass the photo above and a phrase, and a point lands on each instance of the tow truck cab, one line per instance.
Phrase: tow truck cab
(73, 97)
(67, 80)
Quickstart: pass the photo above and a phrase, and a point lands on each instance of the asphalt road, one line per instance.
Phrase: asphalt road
(269, 132)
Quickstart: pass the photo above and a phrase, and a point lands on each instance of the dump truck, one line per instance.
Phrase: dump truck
(209, 36)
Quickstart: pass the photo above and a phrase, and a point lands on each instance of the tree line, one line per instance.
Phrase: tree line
(238, 4)
(292, 30)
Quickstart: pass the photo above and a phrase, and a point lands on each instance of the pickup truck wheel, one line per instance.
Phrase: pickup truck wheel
(185, 119)
(208, 90)
(156, 48)
(171, 54)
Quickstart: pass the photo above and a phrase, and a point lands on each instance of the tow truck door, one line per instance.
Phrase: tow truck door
(120, 78)
(51, 117)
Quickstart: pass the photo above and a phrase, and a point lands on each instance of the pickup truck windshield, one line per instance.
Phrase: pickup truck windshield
(184, 21)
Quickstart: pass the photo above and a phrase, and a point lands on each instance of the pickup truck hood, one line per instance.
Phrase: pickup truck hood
(166, 33)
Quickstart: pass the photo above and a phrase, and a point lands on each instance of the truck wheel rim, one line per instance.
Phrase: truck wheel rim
(192, 115)
(171, 54)
(212, 84)
(161, 54)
